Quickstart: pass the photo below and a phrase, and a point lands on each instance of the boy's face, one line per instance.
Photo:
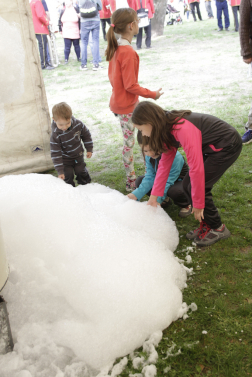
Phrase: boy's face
(63, 124)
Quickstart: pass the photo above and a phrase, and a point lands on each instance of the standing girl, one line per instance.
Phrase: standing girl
(123, 76)
(69, 24)
(211, 146)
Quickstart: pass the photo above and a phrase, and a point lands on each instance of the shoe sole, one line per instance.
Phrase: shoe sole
(183, 215)
(191, 237)
(218, 239)
(247, 142)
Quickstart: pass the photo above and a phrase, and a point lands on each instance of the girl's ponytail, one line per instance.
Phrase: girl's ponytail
(119, 21)
(112, 43)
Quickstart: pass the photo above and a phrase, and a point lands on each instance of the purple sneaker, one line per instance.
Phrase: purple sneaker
(247, 137)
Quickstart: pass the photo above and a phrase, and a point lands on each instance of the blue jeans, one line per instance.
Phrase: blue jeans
(235, 10)
(222, 6)
(209, 9)
(90, 42)
(86, 28)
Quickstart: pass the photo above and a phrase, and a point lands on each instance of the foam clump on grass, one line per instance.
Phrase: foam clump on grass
(93, 275)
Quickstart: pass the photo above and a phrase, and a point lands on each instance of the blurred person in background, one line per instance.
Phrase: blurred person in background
(105, 15)
(245, 30)
(194, 4)
(222, 6)
(209, 8)
(69, 25)
(235, 4)
(145, 4)
(41, 22)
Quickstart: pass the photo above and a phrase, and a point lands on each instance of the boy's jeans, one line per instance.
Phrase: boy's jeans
(86, 28)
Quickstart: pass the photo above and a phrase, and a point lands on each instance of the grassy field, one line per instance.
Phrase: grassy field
(202, 70)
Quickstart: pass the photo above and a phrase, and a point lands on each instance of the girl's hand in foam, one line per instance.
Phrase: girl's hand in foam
(132, 196)
(152, 201)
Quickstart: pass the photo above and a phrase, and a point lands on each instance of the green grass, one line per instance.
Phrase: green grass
(202, 70)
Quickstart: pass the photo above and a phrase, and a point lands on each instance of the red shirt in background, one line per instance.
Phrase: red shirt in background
(40, 20)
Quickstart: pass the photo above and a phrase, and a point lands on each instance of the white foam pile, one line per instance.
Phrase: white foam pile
(93, 275)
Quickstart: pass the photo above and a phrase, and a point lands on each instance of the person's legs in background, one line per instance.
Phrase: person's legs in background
(139, 38)
(198, 10)
(226, 15)
(85, 30)
(219, 14)
(147, 30)
(95, 40)
(42, 42)
(76, 43)
(103, 24)
(67, 49)
(193, 11)
(209, 9)
(235, 13)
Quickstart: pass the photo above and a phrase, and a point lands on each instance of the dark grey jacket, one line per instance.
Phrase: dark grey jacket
(67, 144)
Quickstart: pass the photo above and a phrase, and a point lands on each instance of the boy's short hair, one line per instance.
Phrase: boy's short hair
(61, 110)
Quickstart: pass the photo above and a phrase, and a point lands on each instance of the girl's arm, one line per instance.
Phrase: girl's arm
(130, 83)
(173, 176)
(190, 137)
(147, 182)
(162, 175)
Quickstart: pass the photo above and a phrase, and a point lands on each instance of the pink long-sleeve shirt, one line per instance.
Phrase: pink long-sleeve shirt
(199, 134)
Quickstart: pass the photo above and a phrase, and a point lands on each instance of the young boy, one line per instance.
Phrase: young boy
(66, 148)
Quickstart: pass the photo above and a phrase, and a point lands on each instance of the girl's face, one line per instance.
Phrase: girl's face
(135, 25)
(149, 152)
(144, 128)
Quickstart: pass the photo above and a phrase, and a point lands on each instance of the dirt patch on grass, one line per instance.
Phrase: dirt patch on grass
(246, 250)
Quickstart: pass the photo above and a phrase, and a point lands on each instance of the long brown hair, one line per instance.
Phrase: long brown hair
(120, 19)
(162, 123)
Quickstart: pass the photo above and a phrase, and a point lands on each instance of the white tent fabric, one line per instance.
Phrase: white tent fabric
(24, 115)
(4, 269)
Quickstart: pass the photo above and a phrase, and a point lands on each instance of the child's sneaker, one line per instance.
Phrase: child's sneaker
(166, 202)
(247, 137)
(184, 212)
(96, 67)
(210, 236)
(194, 233)
(83, 67)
